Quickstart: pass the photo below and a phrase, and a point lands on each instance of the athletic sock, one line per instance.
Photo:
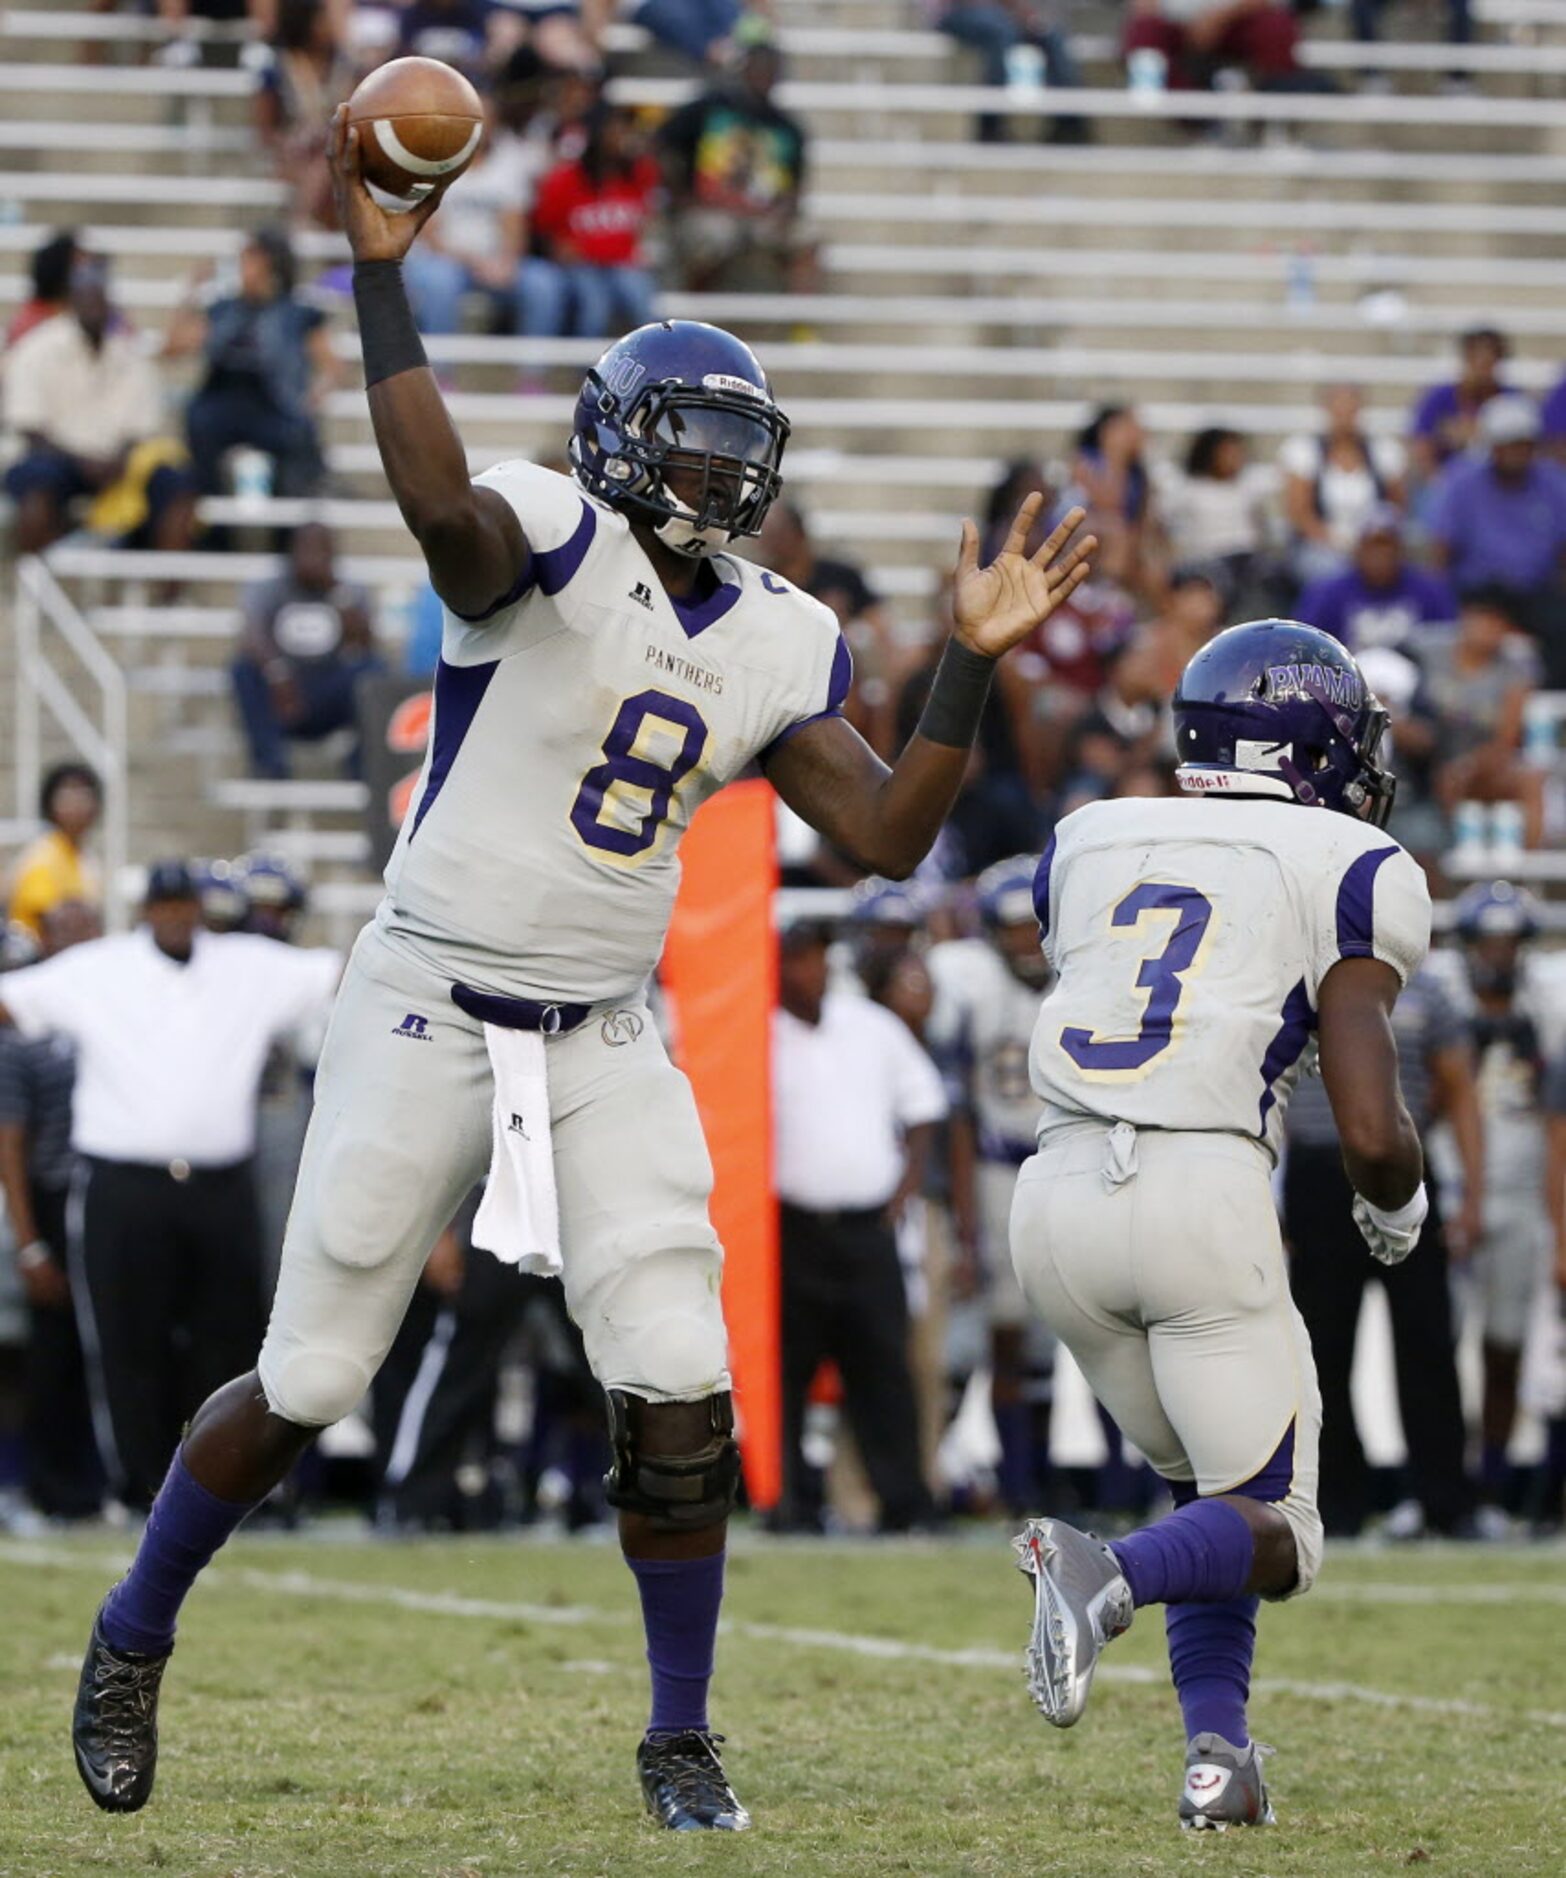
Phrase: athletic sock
(1014, 1428)
(1493, 1472)
(1210, 1651)
(185, 1527)
(1200, 1554)
(680, 1603)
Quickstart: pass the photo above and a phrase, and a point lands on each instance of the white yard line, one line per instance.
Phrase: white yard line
(884, 1649)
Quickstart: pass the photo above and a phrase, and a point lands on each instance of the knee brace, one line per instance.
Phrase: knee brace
(675, 1462)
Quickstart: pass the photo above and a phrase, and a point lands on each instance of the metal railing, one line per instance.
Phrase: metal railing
(44, 613)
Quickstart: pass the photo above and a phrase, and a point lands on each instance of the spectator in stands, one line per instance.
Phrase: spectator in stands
(54, 870)
(1128, 723)
(89, 405)
(307, 642)
(477, 243)
(50, 273)
(591, 216)
(1200, 37)
(1365, 17)
(1111, 481)
(1552, 421)
(1382, 598)
(305, 71)
(1215, 511)
(735, 163)
(1499, 519)
(855, 1104)
(1478, 675)
(458, 32)
(703, 30)
(269, 366)
(996, 30)
(1445, 418)
(1332, 480)
(37, 1074)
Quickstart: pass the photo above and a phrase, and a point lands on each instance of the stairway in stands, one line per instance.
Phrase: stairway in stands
(981, 297)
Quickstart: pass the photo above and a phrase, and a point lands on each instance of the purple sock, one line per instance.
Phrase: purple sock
(680, 1602)
(1014, 1427)
(1210, 1650)
(185, 1527)
(1200, 1554)
(1493, 1472)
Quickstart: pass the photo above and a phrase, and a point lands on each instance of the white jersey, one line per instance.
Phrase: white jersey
(577, 729)
(1190, 938)
(980, 1028)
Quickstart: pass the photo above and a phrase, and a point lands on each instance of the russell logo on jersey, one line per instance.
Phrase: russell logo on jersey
(415, 1027)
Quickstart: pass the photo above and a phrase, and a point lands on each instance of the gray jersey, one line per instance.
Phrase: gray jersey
(1190, 939)
(979, 1030)
(577, 729)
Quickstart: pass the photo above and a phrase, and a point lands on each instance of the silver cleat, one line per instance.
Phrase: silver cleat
(1224, 1786)
(1081, 1601)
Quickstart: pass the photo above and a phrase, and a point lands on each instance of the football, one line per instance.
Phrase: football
(419, 121)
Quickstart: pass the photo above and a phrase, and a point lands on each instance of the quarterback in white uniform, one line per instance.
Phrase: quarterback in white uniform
(1204, 951)
(606, 666)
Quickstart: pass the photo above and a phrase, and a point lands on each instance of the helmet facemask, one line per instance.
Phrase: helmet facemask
(700, 465)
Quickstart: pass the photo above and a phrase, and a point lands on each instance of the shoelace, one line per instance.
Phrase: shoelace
(126, 1694)
(692, 1776)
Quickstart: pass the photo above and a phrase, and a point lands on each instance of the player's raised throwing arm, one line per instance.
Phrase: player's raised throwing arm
(888, 818)
(472, 541)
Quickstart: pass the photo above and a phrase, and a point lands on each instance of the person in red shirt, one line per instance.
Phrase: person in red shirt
(589, 219)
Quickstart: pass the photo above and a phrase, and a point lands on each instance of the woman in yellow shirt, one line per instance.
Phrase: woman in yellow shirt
(53, 868)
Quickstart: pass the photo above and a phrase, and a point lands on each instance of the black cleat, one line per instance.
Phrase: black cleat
(115, 1728)
(684, 1784)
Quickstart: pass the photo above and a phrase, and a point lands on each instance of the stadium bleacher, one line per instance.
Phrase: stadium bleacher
(976, 317)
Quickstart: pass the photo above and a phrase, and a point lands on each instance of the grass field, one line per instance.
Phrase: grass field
(469, 1710)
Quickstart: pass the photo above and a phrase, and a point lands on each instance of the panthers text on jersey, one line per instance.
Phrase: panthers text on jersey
(981, 1025)
(1190, 938)
(577, 728)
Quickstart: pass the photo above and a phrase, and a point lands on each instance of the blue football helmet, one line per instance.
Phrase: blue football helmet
(1495, 909)
(220, 888)
(683, 397)
(1004, 892)
(1275, 708)
(275, 892)
(887, 903)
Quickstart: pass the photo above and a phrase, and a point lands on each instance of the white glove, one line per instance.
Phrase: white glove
(1392, 1236)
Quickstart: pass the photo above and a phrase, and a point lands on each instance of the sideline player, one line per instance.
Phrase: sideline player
(606, 666)
(1496, 924)
(986, 1004)
(1202, 948)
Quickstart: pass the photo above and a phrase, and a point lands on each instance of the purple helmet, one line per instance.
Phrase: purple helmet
(681, 395)
(1004, 892)
(1274, 708)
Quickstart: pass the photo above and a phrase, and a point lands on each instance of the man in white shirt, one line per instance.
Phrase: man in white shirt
(172, 1027)
(855, 1102)
(87, 401)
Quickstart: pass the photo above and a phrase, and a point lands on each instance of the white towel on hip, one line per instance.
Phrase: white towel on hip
(519, 1217)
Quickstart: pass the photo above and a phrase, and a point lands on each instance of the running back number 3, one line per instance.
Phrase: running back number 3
(1160, 977)
(653, 744)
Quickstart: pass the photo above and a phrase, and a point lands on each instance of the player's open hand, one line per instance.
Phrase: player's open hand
(995, 607)
(374, 233)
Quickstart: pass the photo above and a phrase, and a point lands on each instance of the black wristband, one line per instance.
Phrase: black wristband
(387, 335)
(956, 701)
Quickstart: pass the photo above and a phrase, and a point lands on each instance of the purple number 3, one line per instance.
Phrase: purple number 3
(622, 767)
(1160, 977)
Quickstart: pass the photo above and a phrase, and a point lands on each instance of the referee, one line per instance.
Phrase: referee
(172, 1027)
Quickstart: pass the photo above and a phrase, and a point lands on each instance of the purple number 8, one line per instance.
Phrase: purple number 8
(637, 772)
